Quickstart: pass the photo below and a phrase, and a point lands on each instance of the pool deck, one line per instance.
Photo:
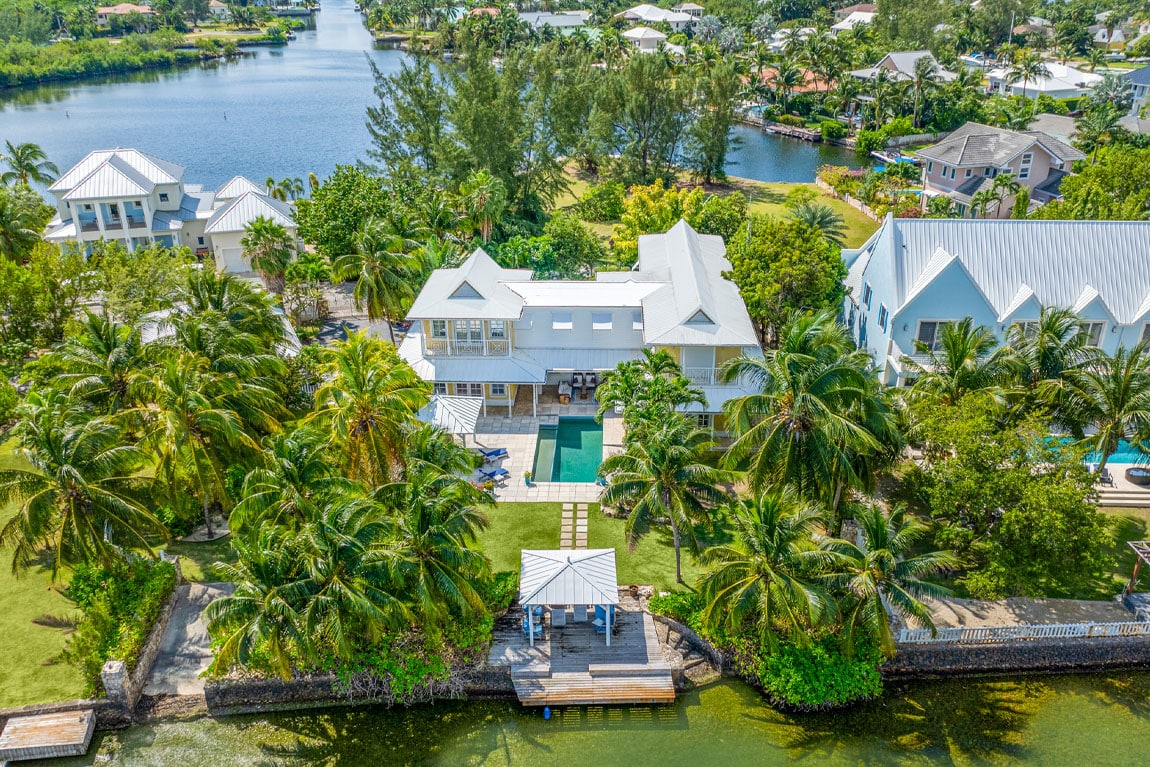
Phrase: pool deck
(519, 435)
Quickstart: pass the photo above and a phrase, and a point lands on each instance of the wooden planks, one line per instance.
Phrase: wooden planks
(67, 733)
(575, 689)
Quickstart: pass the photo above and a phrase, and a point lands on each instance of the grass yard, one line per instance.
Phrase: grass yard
(1126, 525)
(516, 526)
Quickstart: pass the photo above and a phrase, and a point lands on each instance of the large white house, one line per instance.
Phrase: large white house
(486, 331)
(138, 199)
(913, 276)
(653, 14)
(1062, 82)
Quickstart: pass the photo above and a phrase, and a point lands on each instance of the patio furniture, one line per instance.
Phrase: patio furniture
(1137, 475)
(536, 628)
(592, 380)
(537, 609)
(558, 616)
(564, 393)
(579, 614)
(577, 381)
(492, 455)
(496, 475)
(1106, 478)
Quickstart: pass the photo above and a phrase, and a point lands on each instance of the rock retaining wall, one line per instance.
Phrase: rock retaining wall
(1054, 655)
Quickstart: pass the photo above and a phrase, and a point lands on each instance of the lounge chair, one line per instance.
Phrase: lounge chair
(494, 454)
(496, 475)
(577, 381)
(1106, 478)
(537, 625)
(592, 380)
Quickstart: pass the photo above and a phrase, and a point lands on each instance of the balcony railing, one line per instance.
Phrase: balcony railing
(137, 223)
(89, 226)
(449, 347)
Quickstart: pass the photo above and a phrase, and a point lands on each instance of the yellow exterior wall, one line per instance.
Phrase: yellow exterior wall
(724, 353)
(674, 351)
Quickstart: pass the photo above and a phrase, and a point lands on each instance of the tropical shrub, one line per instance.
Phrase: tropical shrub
(832, 130)
(682, 606)
(603, 202)
(792, 120)
(818, 675)
(869, 141)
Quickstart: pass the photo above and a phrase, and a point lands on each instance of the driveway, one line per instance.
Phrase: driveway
(186, 650)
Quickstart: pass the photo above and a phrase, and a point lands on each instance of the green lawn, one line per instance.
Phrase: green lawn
(516, 526)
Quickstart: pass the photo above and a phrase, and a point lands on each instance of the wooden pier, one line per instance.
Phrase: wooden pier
(47, 736)
(792, 131)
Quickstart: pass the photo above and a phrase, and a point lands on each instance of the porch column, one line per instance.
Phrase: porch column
(530, 625)
(609, 611)
(510, 401)
(534, 398)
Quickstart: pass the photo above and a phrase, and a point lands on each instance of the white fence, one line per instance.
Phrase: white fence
(988, 634)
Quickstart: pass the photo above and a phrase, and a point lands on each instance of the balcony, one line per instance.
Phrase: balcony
(89, 226)
(447, 347)
(136, 223)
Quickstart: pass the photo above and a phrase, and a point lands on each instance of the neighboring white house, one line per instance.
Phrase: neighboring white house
(1140, 79)
(653, 14)
(219, 11)
(913, 276)
(138, 199)
(694, 10)
(645, 39)
(900, 67)
(558, 20)
(855, 19)
(485, 331)
(1064, 82)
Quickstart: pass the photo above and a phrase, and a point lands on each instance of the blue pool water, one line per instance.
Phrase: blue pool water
(570, 451)
(1126, 453)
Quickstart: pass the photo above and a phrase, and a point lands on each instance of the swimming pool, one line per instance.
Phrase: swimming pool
(1126, 453)
(569, 451)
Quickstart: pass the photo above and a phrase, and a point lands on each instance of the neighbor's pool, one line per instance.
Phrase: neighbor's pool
(569, 452)
(1126, 453)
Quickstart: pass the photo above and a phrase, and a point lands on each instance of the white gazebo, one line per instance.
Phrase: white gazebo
(455, 415)
(568, 577)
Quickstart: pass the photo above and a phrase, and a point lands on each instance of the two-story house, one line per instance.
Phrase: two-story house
(914, 276)
(138, 199)
(899, 66)
(969, 159)
(1140, 82)
(487, 331)
(678, 21)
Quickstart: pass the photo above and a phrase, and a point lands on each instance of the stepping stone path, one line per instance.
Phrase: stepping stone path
(573, 526)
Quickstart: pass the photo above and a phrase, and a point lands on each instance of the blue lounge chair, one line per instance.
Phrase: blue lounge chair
(496, 475)
(601, 613)
(538, 628)
(494, 454)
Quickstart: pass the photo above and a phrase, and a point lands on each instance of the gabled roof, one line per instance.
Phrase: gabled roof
(237, 186)
(1059, 263)
(113, 178)
(654, 14)
(246, 208)
(491, 299)
(153, 169)
(568, 577)
(644, 33)
(1062, 77)
(1140, 76)
(691, 265)
(978, 145)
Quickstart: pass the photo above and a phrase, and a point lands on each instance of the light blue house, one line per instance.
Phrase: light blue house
(915, 275)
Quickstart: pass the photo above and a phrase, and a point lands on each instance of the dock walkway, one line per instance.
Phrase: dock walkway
(47, 736)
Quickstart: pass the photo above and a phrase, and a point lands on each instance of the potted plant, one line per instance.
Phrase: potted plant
(489, 486)
(527, 478)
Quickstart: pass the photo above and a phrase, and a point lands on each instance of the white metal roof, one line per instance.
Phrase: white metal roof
(571, 293)
(151, 168)
(474, 290)
(236, 186)
(1063, 77)
(453, 414)
(568, 577)
(644, 33)
(113, 178)
(249, 206)
(654, 14)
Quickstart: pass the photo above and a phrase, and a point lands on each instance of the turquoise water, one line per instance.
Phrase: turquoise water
(570, 452)
(1126, 453)
(1068, 721)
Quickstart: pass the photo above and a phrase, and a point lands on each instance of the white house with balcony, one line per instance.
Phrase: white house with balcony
(487, 331)
(138, 199)
(915, 276)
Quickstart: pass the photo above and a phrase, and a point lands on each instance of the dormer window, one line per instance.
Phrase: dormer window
(163, 196)
(700, 318)
(465, 290)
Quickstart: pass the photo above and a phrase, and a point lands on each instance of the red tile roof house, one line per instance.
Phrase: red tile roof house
(105, 12)
(969, 159)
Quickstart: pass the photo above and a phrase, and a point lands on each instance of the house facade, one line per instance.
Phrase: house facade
(138, 199)
(105, 13)
(678, 21)
(900, 65)
(1062, 82)
(913, 276)
(969, 160)
(645, 39)
(486, 331)
(1140, 80)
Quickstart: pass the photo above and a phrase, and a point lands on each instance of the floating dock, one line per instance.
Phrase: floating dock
(47, 736)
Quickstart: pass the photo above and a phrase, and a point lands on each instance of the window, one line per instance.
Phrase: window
(1024, 167)
(87, 207)
(199, 240)
(930, 167)
(439, 388)
(561, 321)
(969, 173)
(498, 390)
(469, 389)
(704, 420)
(929, 334)
(882, 316)
(469, 330)
(601, 321)
(987, 171)
(637, 321)
(114, 211)
(497, 329)
(1146, 331)
(867, 292)
(1093, 331)
(439, 328)
(163, 196)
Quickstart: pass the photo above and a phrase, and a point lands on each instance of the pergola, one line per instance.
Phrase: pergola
(1142, 552)
(567, 577)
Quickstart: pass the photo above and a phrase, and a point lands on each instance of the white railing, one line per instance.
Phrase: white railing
(704, 376)
(988, 634)
(448, 347)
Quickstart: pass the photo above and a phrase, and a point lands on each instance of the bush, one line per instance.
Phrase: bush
(899, 126)
(820, 675)
(869, 141)
(791, 120)
(832, 130)
(680, 606)
(603, 203)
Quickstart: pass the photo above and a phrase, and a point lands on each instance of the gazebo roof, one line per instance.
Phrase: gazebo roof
(455, 415)
(568, 577)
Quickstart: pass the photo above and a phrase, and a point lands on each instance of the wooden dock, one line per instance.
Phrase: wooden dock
(793, 131)
(572, 666)
(47, 736)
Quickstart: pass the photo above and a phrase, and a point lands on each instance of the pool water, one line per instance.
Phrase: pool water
(1126, 453)
(569, 451)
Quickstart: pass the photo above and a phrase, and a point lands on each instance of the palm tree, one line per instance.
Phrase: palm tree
(20, 224)
(384, 271)
(79, 495)
(966, 360)
(816, 414)
(366, 406)
(269, 248)
(922, 82)
(27, 162)
(822, 217)
(646, 389)
(880, 578)
(1046, 350)
(981, 200)
(1096, 128)
(485, 199)
(768, 576)
(1112, 396)
(1094, 58)
(245, 308)
(1027, 67)
(664, 476)
(786, 77)
(100, 364)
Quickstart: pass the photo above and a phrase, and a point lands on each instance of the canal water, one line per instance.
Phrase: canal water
(281, 112)
(1078, 721)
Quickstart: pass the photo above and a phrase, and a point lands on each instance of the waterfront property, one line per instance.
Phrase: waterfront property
(486, 331)
(968, 160)
(912, 277)
(139, 199)
(678, 21)
(1062, 82)
(105, 13)
(645, 39)
(900, 67)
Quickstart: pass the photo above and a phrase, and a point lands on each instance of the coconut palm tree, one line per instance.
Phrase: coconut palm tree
(981, 200)
(922, 82)
(366, 406)
(26, 163)
(814, 415)
(822, 217)
(768, 576)
(966, 360)
(1027, 67)
(99, 364)
(1112, 397)
(784, 80)
(1045, 351)
(664, 476)
(646, 389)
(384, 270)
(269, 249)
(79, 496)
(485, 199)
(244, 308)
(882, 577)
(20, 224)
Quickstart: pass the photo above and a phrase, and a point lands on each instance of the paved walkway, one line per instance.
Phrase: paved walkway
(573, 526)
(950, 612)
(186, 649)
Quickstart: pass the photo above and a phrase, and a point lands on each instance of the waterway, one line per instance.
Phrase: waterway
(1067, 721)
(281, 112)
